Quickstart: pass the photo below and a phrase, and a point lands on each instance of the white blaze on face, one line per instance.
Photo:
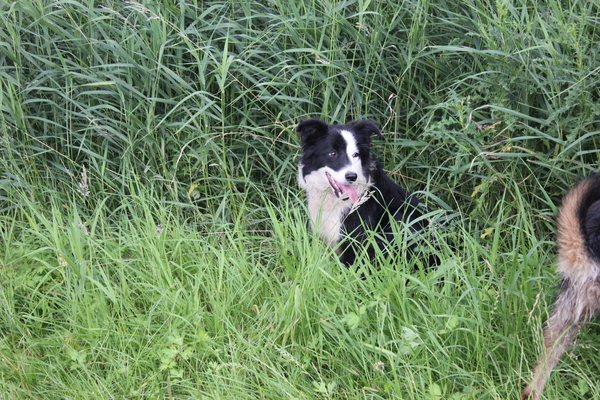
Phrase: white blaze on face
(352, 150)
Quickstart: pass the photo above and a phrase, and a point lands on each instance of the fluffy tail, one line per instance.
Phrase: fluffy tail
(578, 300)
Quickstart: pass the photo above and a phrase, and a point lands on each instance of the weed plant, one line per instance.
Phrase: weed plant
(154, 242)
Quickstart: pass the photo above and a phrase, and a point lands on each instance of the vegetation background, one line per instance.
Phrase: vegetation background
(154, 242)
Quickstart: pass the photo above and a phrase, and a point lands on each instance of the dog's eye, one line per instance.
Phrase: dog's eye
(356, 155)
(332, 154)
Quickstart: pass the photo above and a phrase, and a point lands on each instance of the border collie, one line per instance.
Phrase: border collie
(349, 196)
(578, 300)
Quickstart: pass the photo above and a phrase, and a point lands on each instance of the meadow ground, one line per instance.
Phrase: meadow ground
(154, 242)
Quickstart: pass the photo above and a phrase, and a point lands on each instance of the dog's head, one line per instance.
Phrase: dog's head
(338, 156)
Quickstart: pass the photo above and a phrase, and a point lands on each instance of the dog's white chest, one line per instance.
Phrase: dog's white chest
(326, 213)
(326, 210)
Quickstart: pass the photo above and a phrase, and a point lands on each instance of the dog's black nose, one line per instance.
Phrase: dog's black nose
(351, 177)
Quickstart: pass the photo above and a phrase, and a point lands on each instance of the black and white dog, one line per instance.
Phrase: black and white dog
(349, 196)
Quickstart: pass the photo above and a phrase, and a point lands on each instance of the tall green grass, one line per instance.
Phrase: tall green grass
(154, 243)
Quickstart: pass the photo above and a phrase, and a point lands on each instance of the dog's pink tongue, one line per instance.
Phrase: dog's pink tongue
(349, 191)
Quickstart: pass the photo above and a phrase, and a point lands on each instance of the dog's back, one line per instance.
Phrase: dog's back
(578, 300)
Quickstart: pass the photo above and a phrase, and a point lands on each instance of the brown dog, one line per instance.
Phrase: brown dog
(578, 300)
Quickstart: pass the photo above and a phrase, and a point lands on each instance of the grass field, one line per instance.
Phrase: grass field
(154, 242)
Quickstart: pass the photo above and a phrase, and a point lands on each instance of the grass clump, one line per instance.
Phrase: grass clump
(154, 242)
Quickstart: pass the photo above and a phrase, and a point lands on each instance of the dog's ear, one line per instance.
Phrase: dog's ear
(365, 127)
(310, 130)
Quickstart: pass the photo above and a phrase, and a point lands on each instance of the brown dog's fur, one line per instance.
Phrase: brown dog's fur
(578, 300)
